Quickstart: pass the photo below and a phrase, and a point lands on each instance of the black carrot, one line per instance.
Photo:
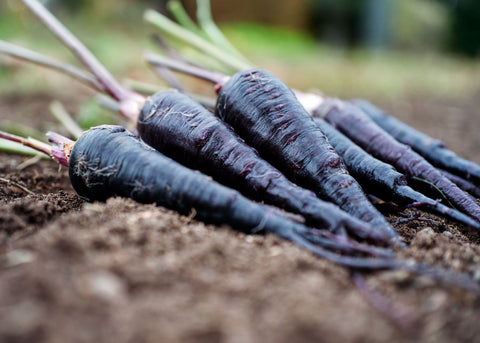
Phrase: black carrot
(363, 131)
(382, 179)
(180, 128)
(312, 102)
(281, 193)
(432, 149)
(265, 112)
(109, 161)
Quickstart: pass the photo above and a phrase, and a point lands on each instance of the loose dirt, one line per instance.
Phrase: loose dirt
(124, 272)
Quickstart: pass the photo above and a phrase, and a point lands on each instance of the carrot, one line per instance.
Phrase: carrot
(350, 120)
(382, 179)
(210, 145)
(432, 149)
(410, 163)
(214, 47)
(311, 101)
(265, 182)
(103, 162)
(108, 161)
(265, 112)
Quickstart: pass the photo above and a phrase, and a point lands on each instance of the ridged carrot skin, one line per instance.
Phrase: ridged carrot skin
(432, 149)
(382, 179)
(356, 125)
(109, 161)
(179, 127)
(268, 116)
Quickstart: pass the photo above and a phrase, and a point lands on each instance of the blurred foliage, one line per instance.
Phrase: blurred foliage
(410, 24)
(114, 31)
(421, 25)
(271, 39)
(91, 114)
(466, 27)
(415, 24)
(336, 21)
(355, 72)
(293, 14)
(118, 41)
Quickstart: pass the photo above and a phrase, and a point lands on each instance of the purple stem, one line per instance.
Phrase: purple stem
(88, 59)
(44, 148)
(34, 57)
(183, 67)
(56, 152)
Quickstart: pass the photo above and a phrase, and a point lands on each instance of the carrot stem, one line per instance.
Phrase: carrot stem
(171, 28)
(181, 16)
(88, 59)
(107, 102)
(16, 148)
(61, 114)
(29, 142)
(37, 58)
(206, 22)
(202, 73)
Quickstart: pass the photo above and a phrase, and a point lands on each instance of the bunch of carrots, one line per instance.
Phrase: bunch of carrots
(261, 158)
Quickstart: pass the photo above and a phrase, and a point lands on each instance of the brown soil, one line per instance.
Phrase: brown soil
(124, 272)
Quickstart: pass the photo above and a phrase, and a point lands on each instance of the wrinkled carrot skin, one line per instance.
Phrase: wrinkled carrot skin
(351, 121)
(382, 179)
(109, 161)
(432, 149)
(179, 127)
(267, 115)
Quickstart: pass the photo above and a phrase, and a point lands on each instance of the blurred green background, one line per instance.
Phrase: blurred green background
(362, 48)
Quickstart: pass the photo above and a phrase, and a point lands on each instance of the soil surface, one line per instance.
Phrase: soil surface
(123, 272)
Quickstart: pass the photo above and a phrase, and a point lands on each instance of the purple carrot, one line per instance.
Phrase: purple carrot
(310, 101)
(264, 182)
(108, 161)
(265, 112)
(382, 179)
(210, 145)
(351, 120)
(432, 149)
